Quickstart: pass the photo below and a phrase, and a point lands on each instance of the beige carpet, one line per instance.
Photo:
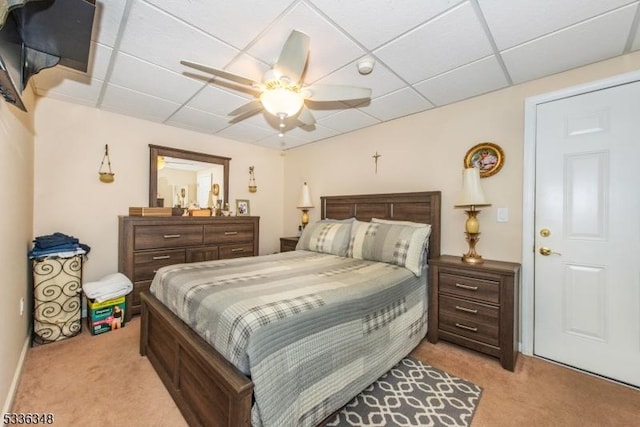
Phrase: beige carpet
(102, 380)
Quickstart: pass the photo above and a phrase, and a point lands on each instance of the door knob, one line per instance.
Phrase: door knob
(546, 252)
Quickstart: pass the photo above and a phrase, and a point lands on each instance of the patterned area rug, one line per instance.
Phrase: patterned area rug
(412, 393)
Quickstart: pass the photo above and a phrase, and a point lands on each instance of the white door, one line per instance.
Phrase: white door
(587, 214)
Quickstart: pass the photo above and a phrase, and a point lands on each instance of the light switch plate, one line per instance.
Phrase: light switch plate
(503, 215)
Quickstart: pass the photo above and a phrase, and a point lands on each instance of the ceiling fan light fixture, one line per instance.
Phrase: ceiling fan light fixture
(281, 101)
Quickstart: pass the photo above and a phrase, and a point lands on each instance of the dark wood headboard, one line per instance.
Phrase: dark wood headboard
(417, 207)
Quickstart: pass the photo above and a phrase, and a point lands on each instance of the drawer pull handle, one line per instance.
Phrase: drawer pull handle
(171, 236)
(230, 233)
(471, 288)
(468, 328)
(237, 250)
(468, 310)
(155, 258)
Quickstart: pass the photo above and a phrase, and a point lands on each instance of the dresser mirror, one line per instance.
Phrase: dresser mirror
(180, 178)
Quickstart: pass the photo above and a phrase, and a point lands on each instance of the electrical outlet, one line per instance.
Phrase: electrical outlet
(21, 307)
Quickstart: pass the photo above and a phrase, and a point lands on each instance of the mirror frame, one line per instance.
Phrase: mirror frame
(157, 150)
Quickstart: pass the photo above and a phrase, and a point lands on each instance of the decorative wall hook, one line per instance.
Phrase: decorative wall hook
(252, 181)
(106, 177)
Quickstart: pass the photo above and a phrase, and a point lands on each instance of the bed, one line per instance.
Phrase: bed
(215, 385)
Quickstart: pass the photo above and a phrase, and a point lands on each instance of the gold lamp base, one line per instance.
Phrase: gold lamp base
(305, 217)
(472, 257)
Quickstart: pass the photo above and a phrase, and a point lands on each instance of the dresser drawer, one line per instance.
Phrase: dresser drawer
(470, 287)
(228, 233)
(147, 263)
(171, 236)
(236, 251)
(468, 310)
(483, 332)
(138, 287)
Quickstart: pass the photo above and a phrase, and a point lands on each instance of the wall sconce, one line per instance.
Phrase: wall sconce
(106, 177)
(472, 196)
(305, 204)
(252, 181)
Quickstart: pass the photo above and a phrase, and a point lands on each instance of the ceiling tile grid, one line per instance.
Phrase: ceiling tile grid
(426, 54)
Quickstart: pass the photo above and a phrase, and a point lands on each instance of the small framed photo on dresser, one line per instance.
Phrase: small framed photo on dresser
(242, 207)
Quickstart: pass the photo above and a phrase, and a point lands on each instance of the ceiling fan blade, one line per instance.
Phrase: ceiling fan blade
(305, 117)
(254, 105)
(293, 57)
(337, 92)
(245, 111)
(220, 73)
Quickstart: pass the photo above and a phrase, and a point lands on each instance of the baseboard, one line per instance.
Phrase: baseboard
(8, 404)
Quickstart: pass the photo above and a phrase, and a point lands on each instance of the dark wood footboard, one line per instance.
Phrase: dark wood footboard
(208, 389)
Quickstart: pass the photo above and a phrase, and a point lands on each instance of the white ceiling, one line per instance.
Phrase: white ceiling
(428, 53)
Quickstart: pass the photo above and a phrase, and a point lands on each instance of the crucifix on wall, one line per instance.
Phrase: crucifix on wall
(375, 159)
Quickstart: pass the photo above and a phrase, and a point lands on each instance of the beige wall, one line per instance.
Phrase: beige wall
(69, 198)
(425, 151)
(16, 223)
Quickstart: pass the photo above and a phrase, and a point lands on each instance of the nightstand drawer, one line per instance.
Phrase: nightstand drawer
(470, 287)
(482, 332)
(468, 310)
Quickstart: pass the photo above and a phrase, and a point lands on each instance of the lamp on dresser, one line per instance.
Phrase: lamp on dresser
(305, 204)
(472, 197)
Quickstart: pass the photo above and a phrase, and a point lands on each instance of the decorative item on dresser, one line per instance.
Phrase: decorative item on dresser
(148, 243)
(288, 243)
(475, 306)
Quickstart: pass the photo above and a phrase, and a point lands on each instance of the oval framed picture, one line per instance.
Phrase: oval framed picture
(487, 157)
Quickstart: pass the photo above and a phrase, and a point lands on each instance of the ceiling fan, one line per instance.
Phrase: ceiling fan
(281, 92)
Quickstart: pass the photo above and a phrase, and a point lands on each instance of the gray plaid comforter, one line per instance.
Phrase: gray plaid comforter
(311, 330)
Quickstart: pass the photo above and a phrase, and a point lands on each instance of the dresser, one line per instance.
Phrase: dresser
(476, 306)
(147, 243)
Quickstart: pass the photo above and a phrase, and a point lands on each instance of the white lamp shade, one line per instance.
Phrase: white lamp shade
(472, 194)
(305, 198)
(282, 101)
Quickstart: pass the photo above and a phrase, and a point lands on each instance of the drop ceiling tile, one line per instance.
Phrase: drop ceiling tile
(99, 58)
(217, 101)
(375, 22)
(397, 104)
(131, 103)
(223, 19)
(156, 37)
(315, 133)
(198, 120)
(517, 21)
(329, 49)
(447, 42)
(63, 83)
(348, 120)
(469, 80)
(245, 133)
(581, 44)
(147, 78)
(106, 21)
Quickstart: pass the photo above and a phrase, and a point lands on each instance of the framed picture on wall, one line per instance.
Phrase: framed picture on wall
(242, 207)
(487, 157)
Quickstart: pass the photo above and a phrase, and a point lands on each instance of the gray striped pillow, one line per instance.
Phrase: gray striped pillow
(402, 245)
(328, 237)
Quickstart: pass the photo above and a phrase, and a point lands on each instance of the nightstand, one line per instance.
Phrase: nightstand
(475, 306)
(288, 243)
